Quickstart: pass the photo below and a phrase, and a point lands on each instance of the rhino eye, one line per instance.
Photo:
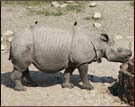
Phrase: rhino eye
(119, 50)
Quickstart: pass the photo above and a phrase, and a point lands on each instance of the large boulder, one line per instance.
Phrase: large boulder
(124, 87)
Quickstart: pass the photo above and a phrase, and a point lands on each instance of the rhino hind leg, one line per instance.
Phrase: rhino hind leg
(68, 72)
(83, 69)
(21, 59)
(16, 76)
(27, 77)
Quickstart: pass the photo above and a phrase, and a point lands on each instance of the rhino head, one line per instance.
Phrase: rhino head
(115, 52)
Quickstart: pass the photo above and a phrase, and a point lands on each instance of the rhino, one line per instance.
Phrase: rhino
(52, 49)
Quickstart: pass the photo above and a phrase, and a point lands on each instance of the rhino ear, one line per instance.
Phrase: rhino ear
(104, 37)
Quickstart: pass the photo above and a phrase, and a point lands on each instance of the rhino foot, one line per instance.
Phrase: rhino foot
(68, 85)
(20, 88)
(88, 87)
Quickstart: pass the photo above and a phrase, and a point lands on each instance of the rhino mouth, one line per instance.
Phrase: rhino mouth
(120, 59)
(126, 58)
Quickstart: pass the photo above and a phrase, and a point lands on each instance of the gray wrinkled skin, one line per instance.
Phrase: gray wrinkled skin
(54, 49)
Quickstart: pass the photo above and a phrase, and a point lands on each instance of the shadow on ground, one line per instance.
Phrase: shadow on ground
(45, 80)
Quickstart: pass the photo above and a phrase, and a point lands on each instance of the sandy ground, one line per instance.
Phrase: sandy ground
(117, 19)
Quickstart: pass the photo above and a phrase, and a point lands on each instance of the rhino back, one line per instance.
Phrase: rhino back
(51, 48)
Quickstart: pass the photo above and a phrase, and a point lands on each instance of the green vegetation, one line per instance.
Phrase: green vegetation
(45, 7)
(77, 8)
(25, 3)
(46, 12)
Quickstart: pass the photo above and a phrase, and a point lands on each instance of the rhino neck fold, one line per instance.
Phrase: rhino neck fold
(98, 52)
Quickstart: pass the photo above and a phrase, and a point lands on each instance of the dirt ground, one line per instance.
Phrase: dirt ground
(117, 19)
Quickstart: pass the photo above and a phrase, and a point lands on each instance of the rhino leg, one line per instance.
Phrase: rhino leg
(16, 76)
(21, 57)
(68, 72)
(83, 69)
(26, 75)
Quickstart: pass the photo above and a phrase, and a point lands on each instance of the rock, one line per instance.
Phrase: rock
(69, 1)
(10, 39)
(3, 47)
(63, 5)
(124, 66)
(29, 7)
(8, 33)
(124, 87)
(118, 37)
(97, 25)
(92, 4)
(55, 4)
(96, 15)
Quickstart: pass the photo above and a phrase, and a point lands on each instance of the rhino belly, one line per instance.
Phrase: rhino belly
(51, 51)
(50, 62)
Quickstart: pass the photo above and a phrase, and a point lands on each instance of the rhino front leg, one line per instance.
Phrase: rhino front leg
(83, 69)
(68, 72)
(26, 75)
(16, 76)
